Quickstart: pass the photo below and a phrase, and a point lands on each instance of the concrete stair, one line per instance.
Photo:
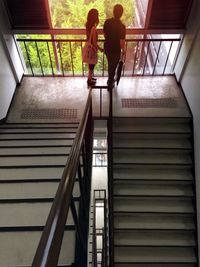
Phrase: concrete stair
(32, 158)
(154, 211)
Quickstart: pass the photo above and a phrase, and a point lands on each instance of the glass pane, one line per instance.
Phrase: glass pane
(73, 14)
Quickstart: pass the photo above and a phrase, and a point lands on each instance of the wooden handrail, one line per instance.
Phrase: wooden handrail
(48, 250)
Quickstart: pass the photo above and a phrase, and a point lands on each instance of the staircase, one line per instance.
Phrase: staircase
(32, 159)
(154, 213)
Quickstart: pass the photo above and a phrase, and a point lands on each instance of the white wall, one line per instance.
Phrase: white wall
(7, 83)
(11, 69)
(188, 73)
(189, 40)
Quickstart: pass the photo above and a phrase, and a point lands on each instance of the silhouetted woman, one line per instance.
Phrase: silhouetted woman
(91, 31)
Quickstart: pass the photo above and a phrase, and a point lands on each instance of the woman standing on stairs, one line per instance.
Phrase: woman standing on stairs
(92, 37)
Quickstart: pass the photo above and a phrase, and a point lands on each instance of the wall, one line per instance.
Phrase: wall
(11, 69)
(189, 40)
(7, 83)
(188, 73)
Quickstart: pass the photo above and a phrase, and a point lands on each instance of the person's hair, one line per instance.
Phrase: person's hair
(92, 19)
(118, 11)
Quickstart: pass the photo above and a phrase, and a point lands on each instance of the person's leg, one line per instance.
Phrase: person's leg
(90, 71)
(113, 60)
(90, 80)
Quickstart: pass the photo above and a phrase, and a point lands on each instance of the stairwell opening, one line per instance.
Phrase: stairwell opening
(99, 193)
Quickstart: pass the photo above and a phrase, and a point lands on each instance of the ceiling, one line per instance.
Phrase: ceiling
(161, 14)
(168, 14)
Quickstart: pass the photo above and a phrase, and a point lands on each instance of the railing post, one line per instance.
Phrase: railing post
(80, 234)
(83, 194)
(27, 53)
(110, 183)
(55, 54)
(105, 231)
(50, 59)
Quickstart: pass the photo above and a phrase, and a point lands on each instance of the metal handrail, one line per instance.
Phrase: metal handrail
(100, 40)
(159, 59)
(110, 183)
(48, 250)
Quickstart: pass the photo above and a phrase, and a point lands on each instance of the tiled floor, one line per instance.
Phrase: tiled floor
(162, 95)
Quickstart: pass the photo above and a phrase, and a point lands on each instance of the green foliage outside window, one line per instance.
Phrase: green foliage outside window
(70, 14)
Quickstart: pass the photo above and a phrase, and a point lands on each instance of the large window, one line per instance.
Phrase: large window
(60, 52)
(73, 13)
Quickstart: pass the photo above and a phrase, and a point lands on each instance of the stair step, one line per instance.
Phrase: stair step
(53, 160)
(36, 143)
(10, 125)
(134, 140)
(37, 136)
(152, 125)
(31, 173)
(32, 160)
(32, 190)
(34, 151)
(154, 255)
(153, 193)
(18, 249)
(152, 189)
(144, 156)
(28, 214)
(37, 130)
(153, 204)
(153, 221)
(150, 172)
(155, 264)
(154, 238)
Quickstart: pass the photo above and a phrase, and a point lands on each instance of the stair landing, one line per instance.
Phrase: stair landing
(134, 97)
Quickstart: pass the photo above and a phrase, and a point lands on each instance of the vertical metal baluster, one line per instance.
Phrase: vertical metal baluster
(55, 52)
(50, 58)
(20, 53)
(100, 102)
(180, 42)
(39, 58)
(77, 224)
(156, 58)
(72, 63)
(103, 64)
(94, 234)
(135, 58)
(28, 58)
(83, 72)
(60, 58)
(125, 56)
(105, 230)
(85, 181)
(81, 187)
(167, 58)
(146, 58)
(103, 59)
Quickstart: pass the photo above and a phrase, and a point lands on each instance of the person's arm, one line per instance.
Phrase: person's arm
(95, 39)
(122, 40)
(122, 45)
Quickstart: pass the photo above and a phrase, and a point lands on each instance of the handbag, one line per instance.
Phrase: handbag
(89, 53)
